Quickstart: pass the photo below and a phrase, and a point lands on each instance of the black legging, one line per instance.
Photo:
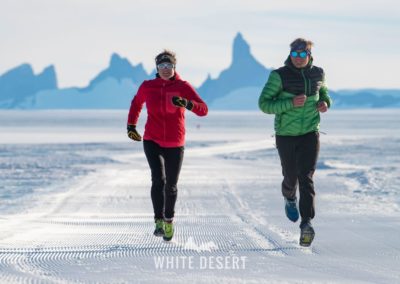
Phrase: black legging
(299, 156)
(165, 165)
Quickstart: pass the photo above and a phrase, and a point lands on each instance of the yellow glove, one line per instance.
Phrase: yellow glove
(182, 102)
(132, 133)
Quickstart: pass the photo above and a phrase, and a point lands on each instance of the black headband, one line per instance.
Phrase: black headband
(165, 58)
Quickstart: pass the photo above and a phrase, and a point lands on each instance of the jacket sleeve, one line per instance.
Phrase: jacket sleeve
(199, 106)
(268, 101)
(137, 105)
(324, 94)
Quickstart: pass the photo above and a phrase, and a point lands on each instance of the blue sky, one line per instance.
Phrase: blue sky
(356, 42)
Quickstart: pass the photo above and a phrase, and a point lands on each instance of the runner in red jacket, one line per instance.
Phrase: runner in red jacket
(166, 98)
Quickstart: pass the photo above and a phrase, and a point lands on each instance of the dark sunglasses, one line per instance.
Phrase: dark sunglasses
(165, 65)
(302, 54)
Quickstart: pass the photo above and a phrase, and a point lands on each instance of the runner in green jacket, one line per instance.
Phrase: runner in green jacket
(296, 93)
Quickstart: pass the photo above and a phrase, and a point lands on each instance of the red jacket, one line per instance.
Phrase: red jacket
(165, 123)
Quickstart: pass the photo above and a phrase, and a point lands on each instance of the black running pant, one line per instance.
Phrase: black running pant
(299, 156)
(165, 165)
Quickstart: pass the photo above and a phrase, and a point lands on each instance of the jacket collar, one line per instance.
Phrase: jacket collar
(176, 77)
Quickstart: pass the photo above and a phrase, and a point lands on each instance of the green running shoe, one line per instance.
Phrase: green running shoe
(307, 233)
(169, 231)
(159, 231)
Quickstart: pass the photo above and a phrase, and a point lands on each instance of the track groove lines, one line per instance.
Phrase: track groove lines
(259, 232)
(93, 225)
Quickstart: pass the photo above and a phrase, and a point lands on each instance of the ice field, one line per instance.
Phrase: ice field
(75, 202)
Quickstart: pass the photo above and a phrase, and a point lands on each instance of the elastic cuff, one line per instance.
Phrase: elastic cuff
(158, 218)
(189, 105)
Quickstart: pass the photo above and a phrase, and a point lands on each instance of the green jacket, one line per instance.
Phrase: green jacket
(285, 83)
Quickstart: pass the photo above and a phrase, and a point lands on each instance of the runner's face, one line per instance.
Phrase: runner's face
(166, 70)
(298, 61)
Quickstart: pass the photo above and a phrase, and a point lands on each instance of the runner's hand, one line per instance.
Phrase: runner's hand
(182, 102)
(132, 133)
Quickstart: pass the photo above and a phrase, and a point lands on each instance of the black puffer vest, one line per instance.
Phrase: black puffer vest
(306, 81)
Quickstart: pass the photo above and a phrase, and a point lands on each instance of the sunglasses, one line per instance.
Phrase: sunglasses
(165, 65)
(302, 54)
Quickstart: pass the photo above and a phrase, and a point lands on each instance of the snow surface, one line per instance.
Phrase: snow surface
(75, 203)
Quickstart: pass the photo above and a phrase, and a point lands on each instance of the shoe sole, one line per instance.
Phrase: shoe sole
(293, 220)
(159, 233)
(306, 238)
(167, 239)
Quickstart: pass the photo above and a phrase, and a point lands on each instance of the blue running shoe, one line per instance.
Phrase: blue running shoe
(291, 209)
